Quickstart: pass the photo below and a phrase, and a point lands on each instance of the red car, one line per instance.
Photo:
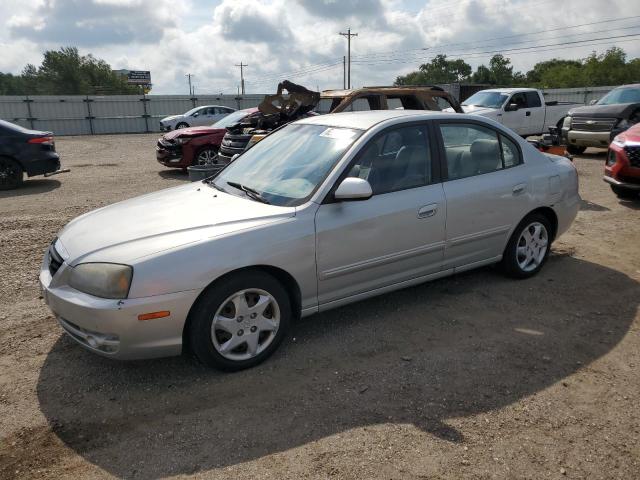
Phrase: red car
(622, 169)
(197, 145)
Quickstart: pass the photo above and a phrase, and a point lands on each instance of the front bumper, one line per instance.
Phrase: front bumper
(165, 128)
(169, 155)
(588, 139)
(111, 327)
(622, 184)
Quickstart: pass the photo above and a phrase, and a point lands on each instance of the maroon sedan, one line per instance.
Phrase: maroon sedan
(196, 145)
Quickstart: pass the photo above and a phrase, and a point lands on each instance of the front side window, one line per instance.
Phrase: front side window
(396, 160)
(520, 100)
(287, 166)
(472, 149)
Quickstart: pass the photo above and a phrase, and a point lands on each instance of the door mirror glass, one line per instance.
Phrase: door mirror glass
(353, 188)
(511, 107)
(593, 102)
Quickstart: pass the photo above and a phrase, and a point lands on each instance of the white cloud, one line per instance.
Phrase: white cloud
(207, 38)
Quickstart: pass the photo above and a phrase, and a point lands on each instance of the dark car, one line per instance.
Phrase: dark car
(196, 145)
(25, 151)
(596, 125)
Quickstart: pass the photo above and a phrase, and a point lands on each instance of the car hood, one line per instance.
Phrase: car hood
(145, 225)
(475, 110)
(171, 117)
(193, 132)
(618, 110)
(632, 135)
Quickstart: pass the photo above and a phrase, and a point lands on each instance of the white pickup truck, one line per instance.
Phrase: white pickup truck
(523, 110)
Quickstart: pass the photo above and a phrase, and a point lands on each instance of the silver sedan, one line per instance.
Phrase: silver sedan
(323, 212)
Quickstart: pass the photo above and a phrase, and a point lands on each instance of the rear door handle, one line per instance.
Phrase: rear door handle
(518, 189)
(428, 210)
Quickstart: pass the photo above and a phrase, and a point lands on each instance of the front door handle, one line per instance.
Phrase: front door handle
(518, 189)
(528, 114)
(428, 210)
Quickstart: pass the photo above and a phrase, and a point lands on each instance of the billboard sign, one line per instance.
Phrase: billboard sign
(139, 77)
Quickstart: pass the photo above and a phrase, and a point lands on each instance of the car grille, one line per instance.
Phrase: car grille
(55, 260)
(586, 124)
(633, 154)
(232, 144)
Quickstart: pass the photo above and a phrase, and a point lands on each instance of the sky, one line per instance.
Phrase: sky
(299, 39)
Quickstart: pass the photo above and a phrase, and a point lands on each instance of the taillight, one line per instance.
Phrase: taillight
(42, 140)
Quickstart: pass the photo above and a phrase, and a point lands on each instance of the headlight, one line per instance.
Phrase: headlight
(105, 280)
(611, 158)
(183, 140)
(567, 122)
(623, 124)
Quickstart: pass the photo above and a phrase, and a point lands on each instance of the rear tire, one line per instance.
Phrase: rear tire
(239, 322)
(11, 174)
(528, 247)
(575, 150)
(624, 193)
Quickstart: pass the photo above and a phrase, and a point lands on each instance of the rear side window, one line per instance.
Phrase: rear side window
(470, 150)
(510, 153)
(533, 99)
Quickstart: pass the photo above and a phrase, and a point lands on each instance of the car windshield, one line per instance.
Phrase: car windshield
(192, 111)
(486, 99)
(287, 166)
(621, 95)
(230, 119)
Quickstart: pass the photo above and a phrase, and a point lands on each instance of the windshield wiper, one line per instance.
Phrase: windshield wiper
(250, 192)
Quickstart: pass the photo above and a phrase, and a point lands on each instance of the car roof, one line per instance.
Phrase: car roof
(367, 119)
(509, 90)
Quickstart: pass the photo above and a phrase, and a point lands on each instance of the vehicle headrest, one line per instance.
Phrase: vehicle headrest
(484, 146)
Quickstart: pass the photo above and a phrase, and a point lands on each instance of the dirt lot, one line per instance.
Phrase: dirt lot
(475, 376)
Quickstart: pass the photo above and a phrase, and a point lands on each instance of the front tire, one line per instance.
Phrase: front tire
(624, 193)
(182, 125)
(206, 156)
(575, 150)
(239, 322)
(11, 174)
(528, 247)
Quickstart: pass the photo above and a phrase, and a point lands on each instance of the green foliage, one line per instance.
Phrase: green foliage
(609, 68)
(66, 72)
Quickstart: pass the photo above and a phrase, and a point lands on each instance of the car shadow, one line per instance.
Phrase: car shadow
(455, 347)
(594, 207)
(174, 174)
(32, 187)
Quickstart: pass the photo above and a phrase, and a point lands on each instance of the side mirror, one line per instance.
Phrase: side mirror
(593, 102)
(353, 188)
(511, 107)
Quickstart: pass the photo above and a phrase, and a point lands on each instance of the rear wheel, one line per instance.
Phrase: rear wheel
(575, 150)
(240, 322)
(625, 193)
(528, 247)
(10, 174)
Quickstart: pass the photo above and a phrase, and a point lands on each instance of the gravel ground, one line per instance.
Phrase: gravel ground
(474, 376)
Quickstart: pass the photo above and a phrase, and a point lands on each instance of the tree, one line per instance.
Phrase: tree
(438, 70)
(66, 72)
(501, 70)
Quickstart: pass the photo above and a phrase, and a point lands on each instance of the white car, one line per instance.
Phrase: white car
(198, 116)
(523, 110)
(323, 212)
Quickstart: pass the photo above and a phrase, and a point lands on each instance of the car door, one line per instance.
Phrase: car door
(486, 190)
(536, 114)
(398, 233)
(516, 120)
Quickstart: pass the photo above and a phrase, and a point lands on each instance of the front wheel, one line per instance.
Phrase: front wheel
(10, 174)
(240, 322)
(528, 247)
(207, 156)
(182, 125)
(625, 193)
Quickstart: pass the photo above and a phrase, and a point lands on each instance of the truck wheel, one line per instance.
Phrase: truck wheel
(575, 150)
(10, 174)
(625, 193)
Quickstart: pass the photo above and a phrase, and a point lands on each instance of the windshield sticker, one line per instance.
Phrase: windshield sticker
(339, 133)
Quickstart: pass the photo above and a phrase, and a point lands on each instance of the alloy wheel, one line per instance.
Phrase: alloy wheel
(532, 246)
(207, 156)
(245, 324)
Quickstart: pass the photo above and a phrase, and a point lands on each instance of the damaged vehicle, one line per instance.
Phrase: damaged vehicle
(598, 124)
(301, 102)
(197, 145)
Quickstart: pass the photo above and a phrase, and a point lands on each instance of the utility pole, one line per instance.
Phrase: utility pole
(344, 72)
(189, 75)
(348, 35)
(242, 65)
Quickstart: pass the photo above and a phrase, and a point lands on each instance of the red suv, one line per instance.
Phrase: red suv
(197, 145)
(622, 170)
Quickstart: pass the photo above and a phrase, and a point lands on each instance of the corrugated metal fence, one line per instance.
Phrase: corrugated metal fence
(86, 115)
